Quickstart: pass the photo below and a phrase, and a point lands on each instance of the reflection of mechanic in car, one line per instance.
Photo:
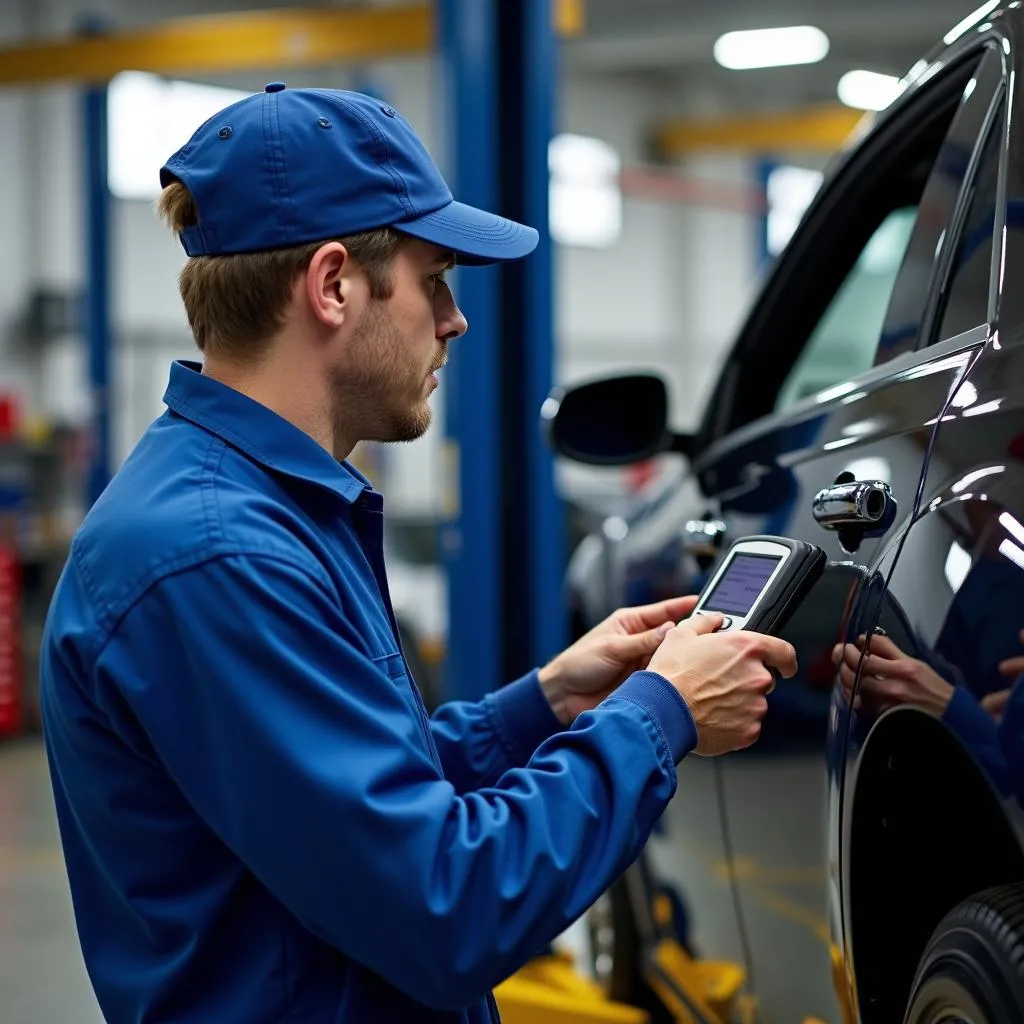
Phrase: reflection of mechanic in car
(981, 630)
(973, 680)
(891, 677)
(992, 728)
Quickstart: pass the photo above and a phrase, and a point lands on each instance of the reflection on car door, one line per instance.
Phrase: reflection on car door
(873, 420)
(936, 737)
(869, 425)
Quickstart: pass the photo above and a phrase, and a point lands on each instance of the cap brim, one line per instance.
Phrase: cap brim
(475, 236)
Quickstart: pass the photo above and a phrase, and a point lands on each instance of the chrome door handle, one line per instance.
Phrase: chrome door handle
(866, 505)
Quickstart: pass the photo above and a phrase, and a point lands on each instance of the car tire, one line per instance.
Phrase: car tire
(973, 967)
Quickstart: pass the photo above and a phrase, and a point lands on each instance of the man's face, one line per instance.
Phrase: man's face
(388, 366)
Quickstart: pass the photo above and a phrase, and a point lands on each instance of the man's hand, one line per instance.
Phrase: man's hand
(890, 677)
(724, 679)
(579, 678)
(1010, 669)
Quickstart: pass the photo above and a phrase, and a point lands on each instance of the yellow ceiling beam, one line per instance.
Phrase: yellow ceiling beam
(569, 17)
(291, 37)
(813, 129)
(246, 40)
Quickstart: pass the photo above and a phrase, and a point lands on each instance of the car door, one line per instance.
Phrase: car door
(833, 379)
(933, 767)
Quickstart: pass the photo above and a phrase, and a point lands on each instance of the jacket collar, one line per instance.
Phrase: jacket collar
(257, 431)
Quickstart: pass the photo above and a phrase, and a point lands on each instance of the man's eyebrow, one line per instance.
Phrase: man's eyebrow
(445, 261)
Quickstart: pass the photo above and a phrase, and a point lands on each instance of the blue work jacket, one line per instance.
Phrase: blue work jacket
(259, 820)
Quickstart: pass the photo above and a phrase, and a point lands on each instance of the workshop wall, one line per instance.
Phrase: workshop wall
(667, 294)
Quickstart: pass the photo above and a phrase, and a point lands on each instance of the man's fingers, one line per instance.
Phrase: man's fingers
(648, 616)
(888, 668)
(995, 703)
(779, 654)
(883, 646)
(1012, 667)
(639, 645)
(705, 622)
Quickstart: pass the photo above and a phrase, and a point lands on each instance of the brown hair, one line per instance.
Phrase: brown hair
(236, 303)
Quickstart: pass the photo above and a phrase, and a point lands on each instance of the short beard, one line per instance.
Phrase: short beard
(371, 387)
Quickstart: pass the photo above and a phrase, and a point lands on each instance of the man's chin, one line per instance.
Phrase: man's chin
(411, 427)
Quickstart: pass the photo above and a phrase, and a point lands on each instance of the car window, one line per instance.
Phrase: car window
(965, 300)
(855, 283)
(877, 312)
(916, 306)
(844, 342)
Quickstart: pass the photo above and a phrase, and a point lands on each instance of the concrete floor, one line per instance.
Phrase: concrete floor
(777, 807)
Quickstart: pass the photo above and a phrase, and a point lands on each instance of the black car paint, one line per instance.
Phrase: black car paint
(923, 816)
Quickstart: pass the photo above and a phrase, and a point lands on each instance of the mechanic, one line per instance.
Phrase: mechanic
(259, 821)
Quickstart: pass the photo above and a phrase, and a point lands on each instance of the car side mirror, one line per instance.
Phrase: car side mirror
(614, 421)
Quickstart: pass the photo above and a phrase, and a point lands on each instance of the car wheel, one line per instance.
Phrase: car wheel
(973, 969)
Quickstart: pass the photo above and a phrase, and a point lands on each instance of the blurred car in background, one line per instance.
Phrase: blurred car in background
(873, 404)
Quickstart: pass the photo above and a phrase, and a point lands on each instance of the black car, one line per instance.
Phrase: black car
(873, 404)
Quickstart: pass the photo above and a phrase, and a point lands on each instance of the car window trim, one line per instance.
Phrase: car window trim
(930, 321)
(885, 374)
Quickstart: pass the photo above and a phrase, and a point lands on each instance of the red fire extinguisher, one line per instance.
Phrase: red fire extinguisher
(11, 704)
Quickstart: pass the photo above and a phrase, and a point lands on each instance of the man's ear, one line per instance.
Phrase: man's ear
(330, 283)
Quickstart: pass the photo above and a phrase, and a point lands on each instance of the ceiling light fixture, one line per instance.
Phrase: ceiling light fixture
(969, 22)
(868, 90)
(771, 47)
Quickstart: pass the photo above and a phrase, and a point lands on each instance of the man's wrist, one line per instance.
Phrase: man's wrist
(552, 687)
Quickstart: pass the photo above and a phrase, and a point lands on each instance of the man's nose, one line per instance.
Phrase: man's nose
(451, 322)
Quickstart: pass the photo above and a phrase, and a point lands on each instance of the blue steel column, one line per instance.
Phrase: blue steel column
(539, 85)
(472, 535)
(97, 283)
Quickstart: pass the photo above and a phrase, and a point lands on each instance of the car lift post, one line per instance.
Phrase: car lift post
(503, 539)
(503, 535)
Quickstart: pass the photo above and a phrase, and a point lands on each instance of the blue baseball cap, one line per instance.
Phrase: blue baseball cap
(289, 166)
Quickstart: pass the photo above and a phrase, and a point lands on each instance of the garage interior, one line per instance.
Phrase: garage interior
(669, 165)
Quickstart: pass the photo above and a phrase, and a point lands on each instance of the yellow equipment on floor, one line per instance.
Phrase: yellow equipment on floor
(549, 990)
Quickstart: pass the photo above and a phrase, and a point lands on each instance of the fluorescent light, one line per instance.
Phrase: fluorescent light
(1012, 552)
(979, 474)
(972, 19)
(965, 396)
(871, 467)
(149, 118)
(985, 407)
(868, 90)
(585, 201)
(866, 427)
(1010, 525)
(958, 565)
(790, 191)
(771, 47)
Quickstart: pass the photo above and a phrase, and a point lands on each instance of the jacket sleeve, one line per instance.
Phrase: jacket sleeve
(313, 765)
(479, 741)
(979, 733)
